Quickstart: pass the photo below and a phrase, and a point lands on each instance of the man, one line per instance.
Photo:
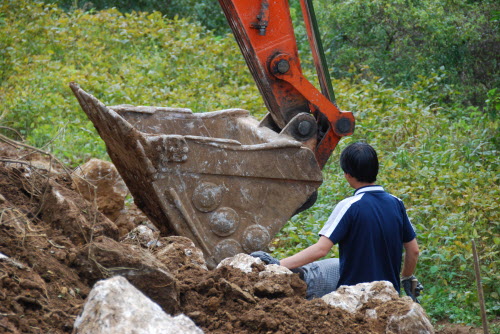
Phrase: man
(371, 229)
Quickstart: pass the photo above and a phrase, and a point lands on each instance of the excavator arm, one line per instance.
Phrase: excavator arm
(224, 179)
(265, 35)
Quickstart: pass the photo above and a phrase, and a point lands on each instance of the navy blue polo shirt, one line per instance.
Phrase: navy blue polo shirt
(370, 229)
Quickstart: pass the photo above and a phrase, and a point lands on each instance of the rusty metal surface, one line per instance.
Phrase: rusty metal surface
(216, 177)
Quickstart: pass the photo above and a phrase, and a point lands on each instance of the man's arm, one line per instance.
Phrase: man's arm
(410, 283)
(308, 255)
(411, 258)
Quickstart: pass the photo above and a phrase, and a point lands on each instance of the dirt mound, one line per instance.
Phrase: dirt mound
(39, 291)
(222, 301)
(46, 227)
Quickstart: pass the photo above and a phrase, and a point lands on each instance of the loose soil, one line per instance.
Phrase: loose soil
(42, 291)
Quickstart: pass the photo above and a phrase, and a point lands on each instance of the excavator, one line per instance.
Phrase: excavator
(224, 179)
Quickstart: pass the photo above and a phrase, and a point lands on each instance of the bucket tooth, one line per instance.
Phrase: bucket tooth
(216, 177)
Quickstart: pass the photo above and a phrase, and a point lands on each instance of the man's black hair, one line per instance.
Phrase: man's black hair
(360, 161)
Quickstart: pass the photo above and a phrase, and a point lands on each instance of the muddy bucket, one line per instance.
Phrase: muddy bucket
(218, 178)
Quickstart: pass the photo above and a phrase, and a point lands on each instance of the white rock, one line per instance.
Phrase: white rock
(414, 321)
(274, 269)
(244, 262)
(354, 298)
(351, 298)
(349, 302)
(114, 306)
(241, 261)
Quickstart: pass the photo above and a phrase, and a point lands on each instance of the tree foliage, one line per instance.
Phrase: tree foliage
(403, 40)
(400, 40)
(207, 12)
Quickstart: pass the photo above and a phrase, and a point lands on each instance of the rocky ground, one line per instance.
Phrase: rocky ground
(55, 245)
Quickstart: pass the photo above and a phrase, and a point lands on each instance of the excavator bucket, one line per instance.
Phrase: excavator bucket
(218, 178)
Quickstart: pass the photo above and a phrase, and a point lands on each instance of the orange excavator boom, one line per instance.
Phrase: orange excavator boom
(265, 35)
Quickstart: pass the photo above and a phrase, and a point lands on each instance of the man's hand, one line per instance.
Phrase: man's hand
(412, 287)
(265, 257)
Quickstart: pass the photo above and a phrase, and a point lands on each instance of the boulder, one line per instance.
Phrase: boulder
(104, 258)
(114, 306)
(379, 299)
(274, 269)
(353, 297)
(99, 181)
(68, 212)
(247, 263)
(412, 321)
(242, 261)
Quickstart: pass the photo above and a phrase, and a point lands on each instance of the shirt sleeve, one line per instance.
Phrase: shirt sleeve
(336, 226)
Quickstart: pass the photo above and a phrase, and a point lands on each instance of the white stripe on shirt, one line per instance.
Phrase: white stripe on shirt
(337, 214)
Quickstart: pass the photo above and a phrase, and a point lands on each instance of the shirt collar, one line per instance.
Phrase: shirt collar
(368, 188)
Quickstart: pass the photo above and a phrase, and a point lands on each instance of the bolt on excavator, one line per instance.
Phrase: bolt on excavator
(224, 179)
